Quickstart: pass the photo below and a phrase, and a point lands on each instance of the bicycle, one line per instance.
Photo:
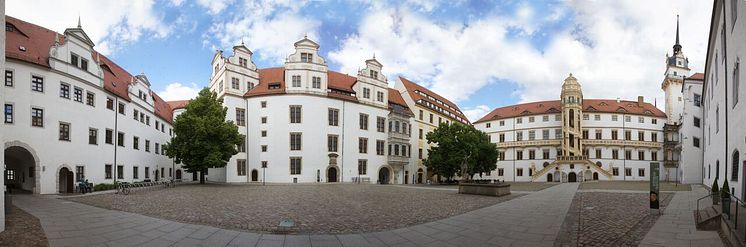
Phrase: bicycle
(124, 188)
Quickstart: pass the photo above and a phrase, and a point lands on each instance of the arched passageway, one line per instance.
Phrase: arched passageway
(20, 170)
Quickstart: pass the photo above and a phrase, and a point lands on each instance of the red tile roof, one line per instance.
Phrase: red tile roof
(589, 105)
(395, 98)
(178, 104)
(412, 87)
(267, 77)
(38, 40)
(697, 76)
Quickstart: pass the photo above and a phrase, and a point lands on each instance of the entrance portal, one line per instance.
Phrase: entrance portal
(20, 169)
(419, 176)
(194, 175)
(254, 175)
(66, 181)
(178, 174)
(595, 176)
(331, 175)
(572, 177)
(406, 177)
(549, 177)
(157, 175)
(383, 175)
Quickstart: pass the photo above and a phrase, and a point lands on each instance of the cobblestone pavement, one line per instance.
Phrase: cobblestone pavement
(22, 229)
(608, 219)
(530, 220)
(632, 185)
(336, 208)
(514, 186)
(676, 227)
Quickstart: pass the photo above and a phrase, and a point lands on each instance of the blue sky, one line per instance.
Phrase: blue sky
(481, 54)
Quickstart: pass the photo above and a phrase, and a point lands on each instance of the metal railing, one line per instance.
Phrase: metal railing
(731, 216)
(698, 209)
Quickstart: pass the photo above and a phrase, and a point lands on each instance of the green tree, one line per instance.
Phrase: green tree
(460, 150)
(202, 138)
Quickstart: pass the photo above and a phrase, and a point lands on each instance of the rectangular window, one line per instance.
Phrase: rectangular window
(242, 147)
(296, 81)
(79, 173)
(109, 103)
(530, 119)
(614, 118)
(316, 82)
(366, 93)
(615, 154)
(78, 94)
(519, 172)
(157, 148)
(379, 96)
(641, 135)
(531, 135)
(640, 119)
(332, 143)
(615, 171)
(362, 167)
(241, 167)
(295, 114)
(109, 136)
(420, 134)
(90, 99)
(641, 172)
(363, 121)
(545, 134)
(545, 118)
(519, 136)
(295, 141)
(421, 113)
(8, 112)
(532, 154)
(545, 154)
(120, 172)
(381, 124)
(147, 146)
(92, 136)
(306, 57)
(419, 153)
(64, 90)
(264, 148)
(37, 117)
(627, 154)
(598, 153)
(695, 141)
(120, 139)
(240, 117)
(519, 155)
(586, 117)
(614, 135)
(136, 143)
(627, 119)
(135, 172)
(654, 121)
(380, 147)
(696, 122)
(627, 135)
(74, 60)
(598, 134)
(558, 134)
(107, 171)
(264, 133)
(654, 137)
(653, 155)
(8, 78)
(519, 120)
(121, 108)
(333, 117)
(585, 134)
(135, 114)
(263, 104)
(295, 165)
(264, 120)
(597, 117)
(736, 79)
(487, 125)
(234, 83)
(37, 84)
(628, 172)
(697, 100)
(147, 172)
(641, 155)
(362, 146)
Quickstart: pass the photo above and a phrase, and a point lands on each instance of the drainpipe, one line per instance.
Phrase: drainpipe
(725, 68)
(116, 137)
(624, 147)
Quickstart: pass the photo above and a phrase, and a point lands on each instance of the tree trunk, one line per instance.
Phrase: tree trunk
(202, 177)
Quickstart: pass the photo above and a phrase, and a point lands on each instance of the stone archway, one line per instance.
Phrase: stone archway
(384, 175)
(549, 177)
(572, 177)
(419, 175)
(557, 176)
(587, 175)
(332, 174)
(25, 163)
(65, 177)
(595, 176)
(178, 174)
(254, 175)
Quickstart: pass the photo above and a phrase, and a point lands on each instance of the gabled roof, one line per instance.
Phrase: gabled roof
(590, 106)
(178, 104)
(269, 77)
(412, 87)
(306, 41)
(36, 42)
(697, 76)
(396, 99)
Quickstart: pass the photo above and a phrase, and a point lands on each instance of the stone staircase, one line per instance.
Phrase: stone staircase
(543, 171)
(708, 219)
(599, 169)
(555, 163)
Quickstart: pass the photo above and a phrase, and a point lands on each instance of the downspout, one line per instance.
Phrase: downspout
(624, 147)
(246, 140)
(342, 151)
(725, 68)
(515, 139)
(116, 137)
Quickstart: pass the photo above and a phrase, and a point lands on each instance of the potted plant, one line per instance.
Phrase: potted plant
(715, 191)
(725, 197)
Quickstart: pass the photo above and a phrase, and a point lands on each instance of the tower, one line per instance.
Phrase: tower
(677, 68)
(572, 110)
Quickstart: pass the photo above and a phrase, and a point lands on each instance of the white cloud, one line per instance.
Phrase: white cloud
(214, 6)
(266, 27)
(178, 91)
(615, 49)
(475, 113)
(177, 2)
(110, 24)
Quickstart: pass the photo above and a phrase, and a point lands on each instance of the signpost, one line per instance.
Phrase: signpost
(655, 186)
(264, 172)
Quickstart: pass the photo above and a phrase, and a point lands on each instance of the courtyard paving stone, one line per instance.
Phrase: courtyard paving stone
(495, 225)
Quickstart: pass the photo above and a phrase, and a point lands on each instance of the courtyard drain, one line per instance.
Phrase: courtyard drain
(285, 226)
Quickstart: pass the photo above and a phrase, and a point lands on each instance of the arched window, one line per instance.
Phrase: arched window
(546, 164)
(572, 118)
(734, 170)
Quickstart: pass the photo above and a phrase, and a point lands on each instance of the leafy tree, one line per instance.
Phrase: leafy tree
(202, 138)
(460, 150)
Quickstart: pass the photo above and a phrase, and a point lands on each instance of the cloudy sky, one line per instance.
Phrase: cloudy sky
(481, 54)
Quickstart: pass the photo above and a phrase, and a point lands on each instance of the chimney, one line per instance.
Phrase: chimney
(640, 101)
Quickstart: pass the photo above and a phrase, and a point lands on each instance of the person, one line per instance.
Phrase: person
(82, 185)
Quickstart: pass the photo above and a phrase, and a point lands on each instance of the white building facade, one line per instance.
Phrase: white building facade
(724, 111)
(575, 139)
(72, 114)
(307, 124)
(690, 131)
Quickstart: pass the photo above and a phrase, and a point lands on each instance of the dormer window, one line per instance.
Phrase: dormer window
(78, 61)
(275, 85)
(306, 57)
(243, 62)
(374, 74)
